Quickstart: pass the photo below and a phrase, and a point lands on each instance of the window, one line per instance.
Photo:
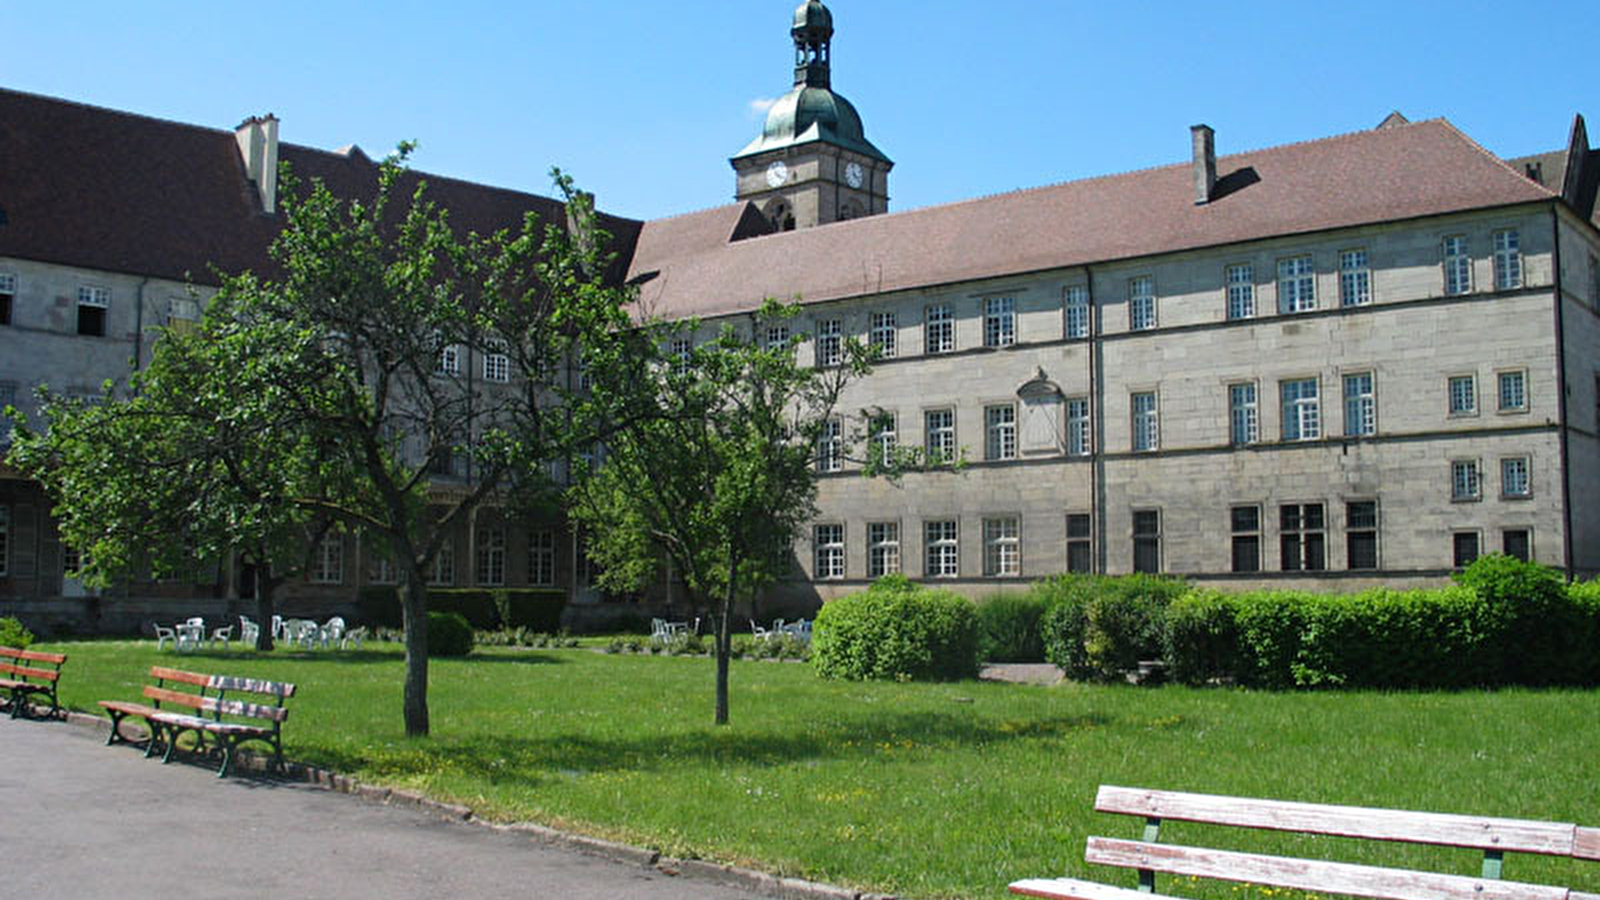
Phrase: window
(830, 446)
(1302, 410)
(448, 362)
(1245, 522)
(1464, 548)
(883, 437)
(999, 322)
(1514, 391)
(1464, 481)
(1077, 311)
(1078, 443)
(830, 342)
(1301, 537)
(542, 557)
(940, 549)
(5, 539)
(1000, 430)
(1517, 543)
(828, 542)
(8, 295)
(940, 427)
(1463, 395)
(1241, 291)
(380, 570)
(1079, 552)
(1146, 425)
(443, 571)
(1361, 534)
(883, 334)
(92, 304)
(1297, 285)
(1141, 303)
(72, 560)
(1514, 480)
(1147, 540)
(182, 313)
(1002, 548)
(491, 556)
(1355, 279)
(883, 548)
(1457, 266)
(496, 364)
(1360, 405)
(1507, 260)
(680, 351)
(1243, 419)
(777, 337)
(941, 329)
(328, 567)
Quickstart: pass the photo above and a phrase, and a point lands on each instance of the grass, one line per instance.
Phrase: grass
(929, 791)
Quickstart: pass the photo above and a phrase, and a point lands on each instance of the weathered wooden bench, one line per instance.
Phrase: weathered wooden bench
(1493, 837)
(22, 673)
(211, 698)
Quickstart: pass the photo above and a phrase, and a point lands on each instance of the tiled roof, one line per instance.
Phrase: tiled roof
(102, 189)
(1398, 172)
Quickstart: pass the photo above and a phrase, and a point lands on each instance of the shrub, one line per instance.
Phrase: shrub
(1100, 627)
(1544, 637)
(1202, 638)
(476, 605)
(449, 634)
(1008, 628)
(12, 634)
(896, 630)
(1585, 598)
(536, 608)
(379, 605)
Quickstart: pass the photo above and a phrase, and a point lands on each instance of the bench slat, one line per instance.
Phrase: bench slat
(1479, 833)
(1076, 889)
(182, 698)
(26, 672)
(1586, 843)
(34, 655)
(255, 710)
(197, 679)
(1310, 875)
(252, 685)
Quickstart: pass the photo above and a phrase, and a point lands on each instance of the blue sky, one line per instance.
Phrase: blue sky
(644, 102)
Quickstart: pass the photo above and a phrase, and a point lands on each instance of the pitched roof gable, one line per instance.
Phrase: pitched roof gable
(1397, 172)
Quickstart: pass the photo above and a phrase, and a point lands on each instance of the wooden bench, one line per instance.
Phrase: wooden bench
(1494, 837)
(22, 673)
(206, 699)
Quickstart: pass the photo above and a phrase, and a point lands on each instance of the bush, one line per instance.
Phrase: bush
(896, 630)
(1544, 637)
(378, 605)
(12, 634)
(1202, 638)
(538, 609)
(449, 634)
(1008, 628)
(1100, 627)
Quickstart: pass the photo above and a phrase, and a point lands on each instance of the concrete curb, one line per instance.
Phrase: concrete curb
(751, 880)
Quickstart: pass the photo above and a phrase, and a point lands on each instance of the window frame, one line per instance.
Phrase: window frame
(328, 565)
(939, 443)
(1145, 423)
(1148, 540)
(1471, 382)
(1456, 260)
(1080, 435)
(1244, 415)
(828, 552)
(1527, 539)
(1000, 432)
(1244, 538)
(830, 446)
(93, 297)
(999, 321)
(1506, 245)
(1506, 478)
(8, 296)
(1297, 284)
(1306, 534)
(1466, 481)
(941, 553)
(1456, 560)
(1354, 530)
(1080, 540)
(1239, 285)
(829, 339)
(1142, 310)
(883, 436)
(1361, 408)
(883, 333)
(496, 366)
(1002, 546)
(489, 568)
(939, 328)
(542, 557)
(1521, 378)
(883, 548)
(1075, 311)
(1355, 277)
(1305, 424)
(442, 571)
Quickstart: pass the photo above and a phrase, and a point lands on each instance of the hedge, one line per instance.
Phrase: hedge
(896, 630)
(1099, 626)
(1008, 628)
(483, 608)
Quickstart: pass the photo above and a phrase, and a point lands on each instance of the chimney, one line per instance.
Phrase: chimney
(258, 148)
(1205, 163)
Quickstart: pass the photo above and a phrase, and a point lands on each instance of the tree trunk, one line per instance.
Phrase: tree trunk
(724, 652)
(266, 606)
(414, 616)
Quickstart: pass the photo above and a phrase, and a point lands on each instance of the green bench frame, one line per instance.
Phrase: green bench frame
(23, 680)
(207, 699)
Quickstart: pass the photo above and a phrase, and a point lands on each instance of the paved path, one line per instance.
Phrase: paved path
(85, 820)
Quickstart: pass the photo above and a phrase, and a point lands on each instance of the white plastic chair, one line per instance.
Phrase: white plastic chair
(222, 633)
(659, 632)
(278, 632)
(191, 634)
(249, 631)
(354, 636)
(333, 632)
(757, 632)
(164, 634)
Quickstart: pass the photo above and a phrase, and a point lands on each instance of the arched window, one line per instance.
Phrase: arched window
(781, 217)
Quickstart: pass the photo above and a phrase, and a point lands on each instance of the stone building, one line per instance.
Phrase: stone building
(1362, 359)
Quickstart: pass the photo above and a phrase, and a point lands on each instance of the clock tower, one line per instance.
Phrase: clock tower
(812, 163)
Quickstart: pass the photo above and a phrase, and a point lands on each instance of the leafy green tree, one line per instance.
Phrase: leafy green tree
(709, 461)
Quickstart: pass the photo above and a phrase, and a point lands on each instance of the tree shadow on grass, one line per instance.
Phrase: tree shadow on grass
(535, 760)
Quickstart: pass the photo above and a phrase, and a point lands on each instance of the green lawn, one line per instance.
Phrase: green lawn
(947, 790)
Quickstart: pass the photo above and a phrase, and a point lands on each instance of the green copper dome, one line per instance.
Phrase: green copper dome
(808, 114)
(812, 16)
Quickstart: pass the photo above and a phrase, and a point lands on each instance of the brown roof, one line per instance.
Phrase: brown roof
(1390, 173)
(97, 188)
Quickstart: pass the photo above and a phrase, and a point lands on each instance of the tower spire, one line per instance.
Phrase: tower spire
(813, 33)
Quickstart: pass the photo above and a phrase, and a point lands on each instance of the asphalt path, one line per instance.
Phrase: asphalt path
(80, 819)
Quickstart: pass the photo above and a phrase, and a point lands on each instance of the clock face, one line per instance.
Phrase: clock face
(777, 174)
(853, 175)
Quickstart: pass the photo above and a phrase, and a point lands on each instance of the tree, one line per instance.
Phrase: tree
(709, 461)
(179, 471)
